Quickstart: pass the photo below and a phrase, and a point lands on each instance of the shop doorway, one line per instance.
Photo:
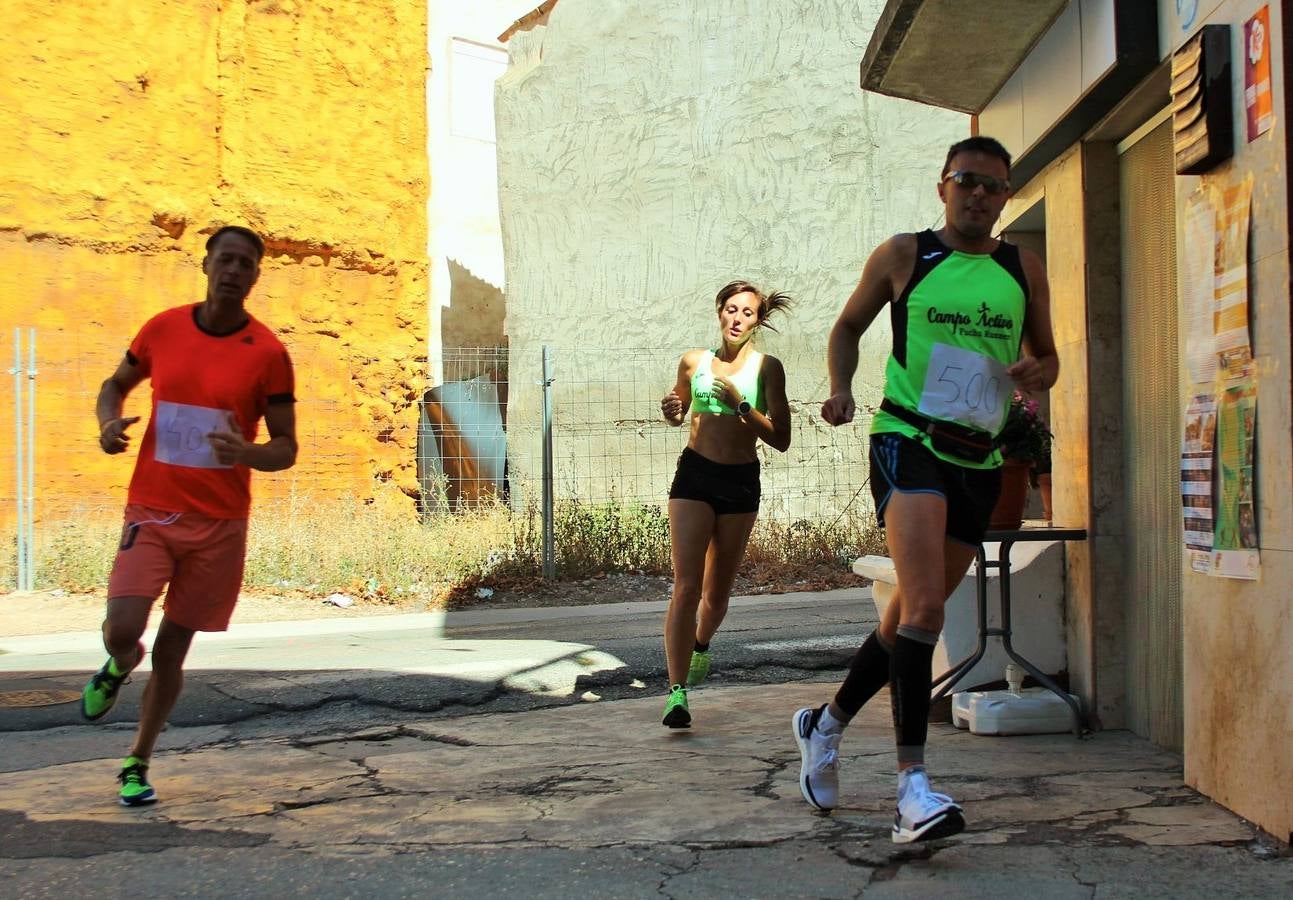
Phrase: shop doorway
(1151, 407)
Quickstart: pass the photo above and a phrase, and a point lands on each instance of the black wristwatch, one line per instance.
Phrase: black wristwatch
(743, 408)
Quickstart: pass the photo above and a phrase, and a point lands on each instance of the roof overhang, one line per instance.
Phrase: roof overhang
(949, 53)
(533, 19)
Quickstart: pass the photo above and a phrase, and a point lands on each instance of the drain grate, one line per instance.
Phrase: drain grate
(37, 698)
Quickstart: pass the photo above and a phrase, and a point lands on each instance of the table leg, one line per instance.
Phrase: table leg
(954, 674)
(1003, 569)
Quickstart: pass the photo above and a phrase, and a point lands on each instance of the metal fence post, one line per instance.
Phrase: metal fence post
(20, 447)
(31, 460)
(549, 558)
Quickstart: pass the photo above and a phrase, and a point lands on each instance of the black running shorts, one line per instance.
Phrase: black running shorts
(730, 488)
(902, 464)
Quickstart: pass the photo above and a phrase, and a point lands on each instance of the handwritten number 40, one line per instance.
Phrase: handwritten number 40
(186, 437)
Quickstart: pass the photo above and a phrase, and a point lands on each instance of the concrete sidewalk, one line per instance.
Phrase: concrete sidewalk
(597, 799)
(435, 623)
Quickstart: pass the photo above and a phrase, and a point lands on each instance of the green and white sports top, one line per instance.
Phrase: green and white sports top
(746, 380)
(956, 327)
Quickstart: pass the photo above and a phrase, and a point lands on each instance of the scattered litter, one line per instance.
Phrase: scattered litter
(494, 560)
(58, 592)
(590, 697)
(341, 600)
(636, 683)
(484, 593)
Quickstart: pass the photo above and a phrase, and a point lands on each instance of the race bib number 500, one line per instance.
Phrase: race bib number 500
(965, 387)
(182, 432)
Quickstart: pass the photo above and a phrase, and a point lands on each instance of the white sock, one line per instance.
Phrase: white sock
(913, 777)
(828, 724)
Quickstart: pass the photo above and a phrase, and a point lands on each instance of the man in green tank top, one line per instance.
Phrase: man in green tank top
(971, 323)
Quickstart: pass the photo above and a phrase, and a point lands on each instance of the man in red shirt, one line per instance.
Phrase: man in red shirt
(216, 372)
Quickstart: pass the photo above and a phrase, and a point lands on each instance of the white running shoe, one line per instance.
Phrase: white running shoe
(819, 763)
(924, 815)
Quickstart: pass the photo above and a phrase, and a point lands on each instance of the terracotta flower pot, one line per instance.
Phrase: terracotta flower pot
(1009, 511)
(1044, 485)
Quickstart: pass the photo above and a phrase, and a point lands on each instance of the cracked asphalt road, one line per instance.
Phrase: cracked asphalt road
(477, 775)
(474, 661)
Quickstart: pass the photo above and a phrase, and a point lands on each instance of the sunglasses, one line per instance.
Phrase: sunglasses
(972, 180)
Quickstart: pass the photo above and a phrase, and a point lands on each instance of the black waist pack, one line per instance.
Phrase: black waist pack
(965, 443)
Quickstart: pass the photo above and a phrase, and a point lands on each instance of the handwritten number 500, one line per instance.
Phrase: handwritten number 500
(980, 392)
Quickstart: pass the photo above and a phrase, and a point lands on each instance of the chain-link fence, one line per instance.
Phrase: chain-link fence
(467, 456)
(612, 455)
(610, 442)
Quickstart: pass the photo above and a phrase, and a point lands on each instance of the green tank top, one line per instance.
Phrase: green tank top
(956, 326)
(746, 380)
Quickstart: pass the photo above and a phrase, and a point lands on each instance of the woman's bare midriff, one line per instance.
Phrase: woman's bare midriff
(722, 439)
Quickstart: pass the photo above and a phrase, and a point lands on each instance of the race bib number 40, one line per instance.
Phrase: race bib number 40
(965, 387)
(182, 432)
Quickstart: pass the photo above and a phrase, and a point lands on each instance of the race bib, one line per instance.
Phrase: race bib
(965, 387)
(182, 431)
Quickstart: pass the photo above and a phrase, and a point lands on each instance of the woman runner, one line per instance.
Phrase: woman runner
(736, 396)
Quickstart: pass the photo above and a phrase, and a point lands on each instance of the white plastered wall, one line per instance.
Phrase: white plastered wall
(650, 153)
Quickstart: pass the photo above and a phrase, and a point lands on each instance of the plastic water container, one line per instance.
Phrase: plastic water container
(1017, 710)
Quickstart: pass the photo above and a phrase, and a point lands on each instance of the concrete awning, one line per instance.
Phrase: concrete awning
(952, 53)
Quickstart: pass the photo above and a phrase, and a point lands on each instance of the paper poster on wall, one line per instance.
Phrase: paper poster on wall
(1196, 477)
(1218, 489)
(1257, 73)
(1234, 540)
(1234, 547)
(1198, 258)
(1230, 269)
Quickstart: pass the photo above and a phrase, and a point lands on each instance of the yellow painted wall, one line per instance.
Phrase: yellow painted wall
(130, 131)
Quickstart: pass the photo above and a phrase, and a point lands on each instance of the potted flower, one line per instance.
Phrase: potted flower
(1025, 436)
(1026, 448)
(1041, 477)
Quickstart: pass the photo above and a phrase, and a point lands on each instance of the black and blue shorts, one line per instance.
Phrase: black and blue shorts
(730, 488)
(905, 465)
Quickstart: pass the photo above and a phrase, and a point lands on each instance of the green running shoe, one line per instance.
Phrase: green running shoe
(135, 789)
(698, 670)
(676, 714)
(100, 694)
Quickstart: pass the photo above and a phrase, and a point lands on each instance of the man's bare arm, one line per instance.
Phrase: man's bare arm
(112, 394)
(276, 454)
(894, 258)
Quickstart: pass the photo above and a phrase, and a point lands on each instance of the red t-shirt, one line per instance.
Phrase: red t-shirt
(202, 382)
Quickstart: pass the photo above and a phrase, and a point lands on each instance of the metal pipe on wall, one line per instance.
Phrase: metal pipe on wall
(19, 448)
(31, 460)
(549, 557)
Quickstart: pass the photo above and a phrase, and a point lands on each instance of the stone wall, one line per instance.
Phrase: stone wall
(140, 128)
